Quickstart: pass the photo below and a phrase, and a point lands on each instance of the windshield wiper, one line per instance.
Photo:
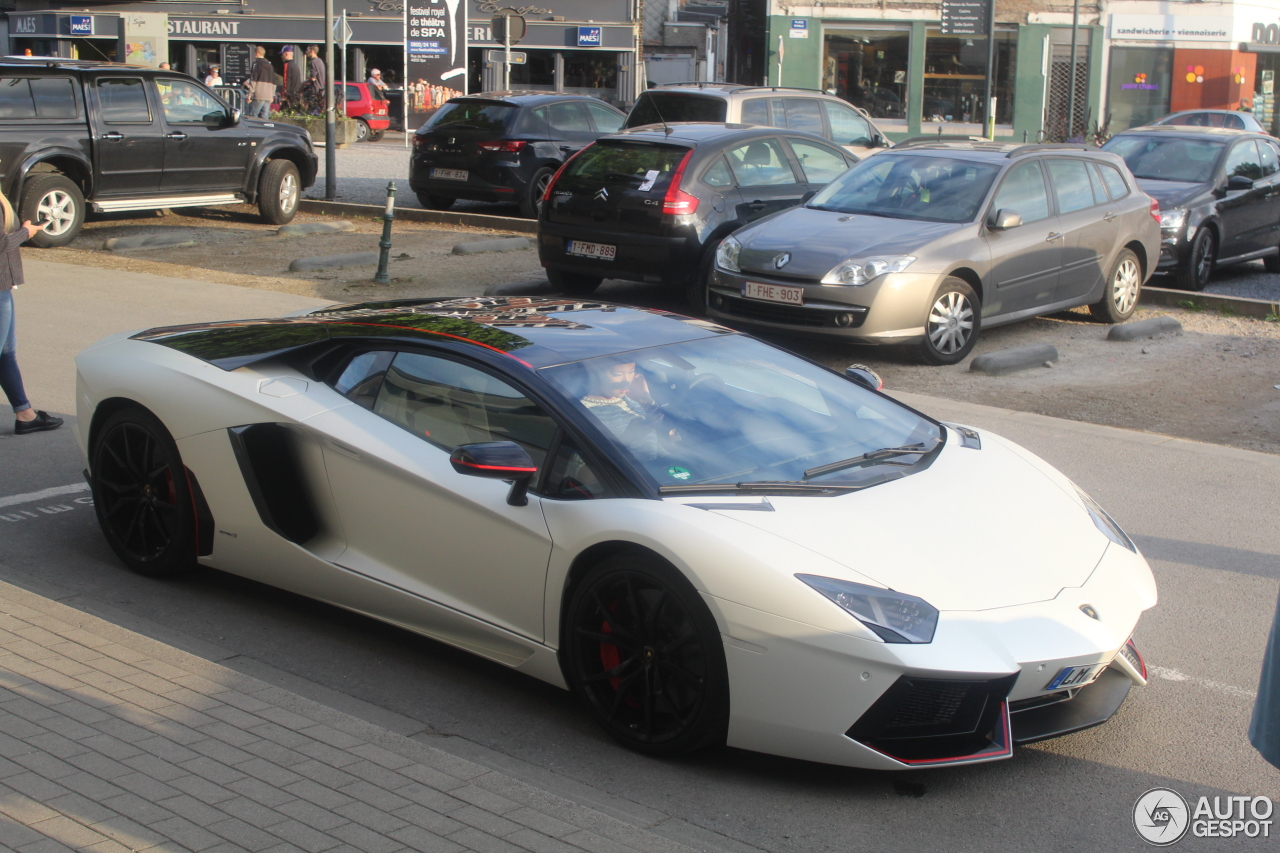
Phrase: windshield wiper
(871, 456)
(759, 486)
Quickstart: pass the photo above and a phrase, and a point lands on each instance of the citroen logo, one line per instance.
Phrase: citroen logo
(452, 140)
(602, 194)
(781, 260)
(1087, 610)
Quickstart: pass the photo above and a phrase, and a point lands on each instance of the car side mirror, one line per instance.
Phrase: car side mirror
(233, 118)
(1004, 218)
(882, 142)
(1239, 182)
(864, 376)
(497, 460)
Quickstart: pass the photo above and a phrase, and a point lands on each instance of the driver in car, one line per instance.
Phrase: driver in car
(620, 399)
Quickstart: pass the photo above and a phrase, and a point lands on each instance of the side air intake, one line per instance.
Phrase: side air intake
(272, 470)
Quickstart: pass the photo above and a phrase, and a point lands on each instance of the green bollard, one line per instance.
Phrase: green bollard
(384, 256)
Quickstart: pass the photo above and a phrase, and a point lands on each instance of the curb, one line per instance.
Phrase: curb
(1012, 360)
(1241, 305)
(413, 214)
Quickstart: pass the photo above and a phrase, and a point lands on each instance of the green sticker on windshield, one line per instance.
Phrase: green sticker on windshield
(678, 473)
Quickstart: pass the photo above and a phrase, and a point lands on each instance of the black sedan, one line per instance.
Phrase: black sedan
(653, 203)
(503, 146)
(1219, 195)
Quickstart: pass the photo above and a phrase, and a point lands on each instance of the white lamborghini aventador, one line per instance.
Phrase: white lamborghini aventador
(705, 537)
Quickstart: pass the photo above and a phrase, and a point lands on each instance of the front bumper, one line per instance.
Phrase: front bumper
(891, 309)
(967, 697)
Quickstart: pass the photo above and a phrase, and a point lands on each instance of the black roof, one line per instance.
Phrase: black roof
(37, 62)
(536, 332)
(524, 97)
(694, 133)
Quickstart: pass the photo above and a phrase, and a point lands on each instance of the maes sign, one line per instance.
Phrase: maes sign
(965, 17)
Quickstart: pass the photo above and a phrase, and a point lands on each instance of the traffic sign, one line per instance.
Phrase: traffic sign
(504, 18)
(342, 30)
(518, 57)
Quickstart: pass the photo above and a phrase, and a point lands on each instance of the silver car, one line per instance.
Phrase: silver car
(925, 245)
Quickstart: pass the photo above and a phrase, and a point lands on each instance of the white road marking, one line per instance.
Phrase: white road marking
(44, 494)
(1175, 675)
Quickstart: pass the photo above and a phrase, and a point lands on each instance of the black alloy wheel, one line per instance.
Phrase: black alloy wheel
(1195, 271)
(531, 204)
(141, 495)
(644, 653)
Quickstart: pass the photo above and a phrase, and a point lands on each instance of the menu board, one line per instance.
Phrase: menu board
(237, 62)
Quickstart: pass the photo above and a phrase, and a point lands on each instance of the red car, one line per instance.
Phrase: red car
(368, 106)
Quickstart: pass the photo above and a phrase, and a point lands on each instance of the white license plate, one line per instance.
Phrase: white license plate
(449, 174)
(599, 251)
(1076, 676)
(773, 293)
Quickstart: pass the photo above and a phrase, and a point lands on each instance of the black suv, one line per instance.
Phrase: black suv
(503, 146)
(121, 137)
(653, 203)
(1219, 194)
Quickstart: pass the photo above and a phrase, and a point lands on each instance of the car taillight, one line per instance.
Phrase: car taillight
(546, 194)
(677, 202)
(510, 146)
(1155, 210)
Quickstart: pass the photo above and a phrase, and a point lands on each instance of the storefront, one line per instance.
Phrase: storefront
(1264, 44)
(1160, 64)
(913, 79)
(586, 46)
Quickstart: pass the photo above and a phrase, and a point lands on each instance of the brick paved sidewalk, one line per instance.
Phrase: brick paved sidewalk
(128, 744)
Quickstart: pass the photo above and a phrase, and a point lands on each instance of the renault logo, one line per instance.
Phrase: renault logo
(602, 194)
(781, 260)
(1087, 610)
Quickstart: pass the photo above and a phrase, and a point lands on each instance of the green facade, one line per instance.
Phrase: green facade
(801, 67)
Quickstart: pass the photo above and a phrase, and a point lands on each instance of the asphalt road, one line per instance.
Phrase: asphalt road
(1205, 517)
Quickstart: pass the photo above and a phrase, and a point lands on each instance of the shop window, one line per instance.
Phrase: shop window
(868, 68)
(586, 69)
(1138, 92)
(955, 74)
(1023, 190)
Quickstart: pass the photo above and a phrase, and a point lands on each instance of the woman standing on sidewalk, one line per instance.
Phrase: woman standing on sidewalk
(28, 419)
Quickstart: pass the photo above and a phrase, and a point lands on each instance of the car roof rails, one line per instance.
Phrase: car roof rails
(783, 89)
(701, 84)
(943, 138)
(1023, 150)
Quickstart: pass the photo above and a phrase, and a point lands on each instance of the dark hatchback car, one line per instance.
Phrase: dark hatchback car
(1219, 194)
(503, 146)
(653, 203)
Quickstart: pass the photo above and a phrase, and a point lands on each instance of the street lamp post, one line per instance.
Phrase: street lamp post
(330, 123)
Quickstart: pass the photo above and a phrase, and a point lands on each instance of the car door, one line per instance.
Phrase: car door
(203, 150)
(1087, 220)
(820, 164)
(570, 127)
(1269, 221)
(766, 180)
(850, 129)
(1242, 212)
(128, 137)
(410, 520)
(605, 118)
(1025, 258)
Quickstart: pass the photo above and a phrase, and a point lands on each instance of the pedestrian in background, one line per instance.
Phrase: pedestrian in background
(164, 66)
(28, 419)
(375, 79)
(315, 69)
(261, 84)
(1264, 732)
(213, 78)
(292, 78)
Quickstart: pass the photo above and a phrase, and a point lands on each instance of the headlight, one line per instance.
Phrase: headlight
(862, 271)
(727, 254)
(1106, 523)
(895, 617)
(1172, 220)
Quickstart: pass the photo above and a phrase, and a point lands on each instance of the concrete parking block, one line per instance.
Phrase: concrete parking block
(298, 229)
(1143, 329)
(1012, 360)
(334, 262)
(501, 244)
(134, 242)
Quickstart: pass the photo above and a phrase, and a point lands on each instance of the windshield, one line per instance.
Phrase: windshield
(734, 410)
(473, 115)
(934, 189)
(657, 107)
(1167, 159)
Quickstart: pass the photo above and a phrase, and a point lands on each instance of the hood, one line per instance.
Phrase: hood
(1171, 194)
(820, 239)
(978, 529)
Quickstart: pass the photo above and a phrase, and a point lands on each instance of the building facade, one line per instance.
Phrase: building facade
(588, 46)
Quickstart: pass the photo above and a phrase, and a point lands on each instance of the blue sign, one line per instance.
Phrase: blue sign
(799, 24)
(427, 48)
(81, 25)
(590, 36)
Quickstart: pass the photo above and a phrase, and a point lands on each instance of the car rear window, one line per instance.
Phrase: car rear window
(626, 163)
(657, 107)
(1167, 159)
(474, 115)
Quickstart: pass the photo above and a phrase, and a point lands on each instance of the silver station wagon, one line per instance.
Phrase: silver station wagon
(925, 245)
